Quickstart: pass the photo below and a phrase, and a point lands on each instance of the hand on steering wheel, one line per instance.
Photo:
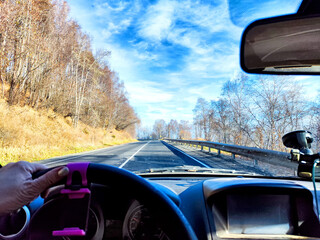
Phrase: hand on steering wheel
(17, 187)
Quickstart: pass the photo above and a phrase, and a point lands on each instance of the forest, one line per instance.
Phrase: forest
(250, 111)
(47, 62)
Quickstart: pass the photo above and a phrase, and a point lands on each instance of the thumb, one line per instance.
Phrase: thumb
(50, 178)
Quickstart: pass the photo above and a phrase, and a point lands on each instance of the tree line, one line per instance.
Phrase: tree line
(161, 129)
(255, 111)
(47, 61)
(250, 111)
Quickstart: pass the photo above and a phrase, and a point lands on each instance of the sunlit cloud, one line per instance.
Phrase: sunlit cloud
(141, 93)
(310, 86)
(156, 23)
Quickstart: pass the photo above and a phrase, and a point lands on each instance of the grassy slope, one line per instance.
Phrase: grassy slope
(27, 134)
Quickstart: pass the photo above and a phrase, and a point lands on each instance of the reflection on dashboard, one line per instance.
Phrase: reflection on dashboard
(272, 215)
(139, 224)
(246, 209)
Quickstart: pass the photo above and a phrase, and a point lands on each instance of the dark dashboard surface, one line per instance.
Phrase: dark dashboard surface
(238, 207)
(216, 208)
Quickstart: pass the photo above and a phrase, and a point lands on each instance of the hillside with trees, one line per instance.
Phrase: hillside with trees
(47, 62)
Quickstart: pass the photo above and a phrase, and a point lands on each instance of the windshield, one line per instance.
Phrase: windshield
(84, 75)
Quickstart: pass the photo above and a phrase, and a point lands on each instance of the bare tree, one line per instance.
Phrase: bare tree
(277, 107)
(185, 130)
(223, 123)
(159, 128)
(235, 93)
(204, 119)
(172, 129)
(254, 112)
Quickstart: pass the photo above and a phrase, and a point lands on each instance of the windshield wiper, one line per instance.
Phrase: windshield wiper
(193, 169)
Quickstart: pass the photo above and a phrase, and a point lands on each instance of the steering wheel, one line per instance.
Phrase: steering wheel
(168, 215)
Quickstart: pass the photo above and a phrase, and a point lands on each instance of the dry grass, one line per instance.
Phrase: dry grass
(27, 134)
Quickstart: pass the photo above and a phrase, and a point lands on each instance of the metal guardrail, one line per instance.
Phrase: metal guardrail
(263, 155)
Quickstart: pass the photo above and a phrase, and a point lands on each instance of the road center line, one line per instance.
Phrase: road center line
(122, 165)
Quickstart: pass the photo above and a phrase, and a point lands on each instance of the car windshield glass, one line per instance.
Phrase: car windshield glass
(82, 75)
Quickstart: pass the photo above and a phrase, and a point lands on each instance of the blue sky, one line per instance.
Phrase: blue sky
(169, 53)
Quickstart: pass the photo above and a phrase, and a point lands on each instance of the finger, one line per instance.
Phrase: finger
(50, 178)
(50, 191)
(29, 168)
(34, 167)
(45, 194)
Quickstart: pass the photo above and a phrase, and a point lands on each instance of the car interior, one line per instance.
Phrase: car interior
(100, 202)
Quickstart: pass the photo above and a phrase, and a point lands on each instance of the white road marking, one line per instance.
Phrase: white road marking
(122, 165)
(66, 158)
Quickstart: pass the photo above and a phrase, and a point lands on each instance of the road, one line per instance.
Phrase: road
(132, 156)
(144, 155)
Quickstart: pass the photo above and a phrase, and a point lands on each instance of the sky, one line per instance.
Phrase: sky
(169, 53)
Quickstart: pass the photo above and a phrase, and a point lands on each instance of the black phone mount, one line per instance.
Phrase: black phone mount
(300, 142)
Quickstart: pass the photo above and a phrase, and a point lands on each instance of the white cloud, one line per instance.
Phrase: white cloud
(156, 23)
(146, 56)
(142, 93)
(190, 39)
(301, 78)
(212, 17)
(117, 6)
(311, 87)
(105, 9)
(122, 62)
(115, 28)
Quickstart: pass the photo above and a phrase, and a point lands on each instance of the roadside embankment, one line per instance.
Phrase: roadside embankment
(31, 135)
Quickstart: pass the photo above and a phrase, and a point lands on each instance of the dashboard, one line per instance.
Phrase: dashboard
(247, 208)
(216, 208)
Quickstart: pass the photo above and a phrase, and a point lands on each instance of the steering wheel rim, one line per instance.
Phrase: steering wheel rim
(169, 216)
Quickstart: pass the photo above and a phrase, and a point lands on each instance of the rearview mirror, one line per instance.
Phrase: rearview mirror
(282, 45)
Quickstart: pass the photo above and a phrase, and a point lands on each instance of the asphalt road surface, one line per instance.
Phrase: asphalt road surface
(147, 155)
(132, 156)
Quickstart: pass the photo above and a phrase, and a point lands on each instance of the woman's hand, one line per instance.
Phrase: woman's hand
(17, 188)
